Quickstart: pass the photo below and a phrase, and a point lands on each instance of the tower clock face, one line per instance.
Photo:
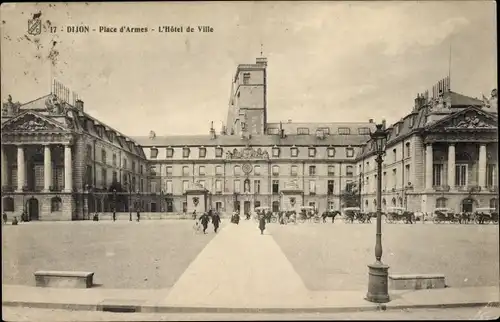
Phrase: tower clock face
(247, 168)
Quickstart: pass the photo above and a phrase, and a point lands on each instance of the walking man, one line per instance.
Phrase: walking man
(216, 221)
(262, 223)
(114, 214)
(204, 222)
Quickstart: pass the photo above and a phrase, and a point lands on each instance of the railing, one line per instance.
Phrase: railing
(8, 188)
(442, 188)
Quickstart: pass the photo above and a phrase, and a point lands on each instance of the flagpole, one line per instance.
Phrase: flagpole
(449, 65)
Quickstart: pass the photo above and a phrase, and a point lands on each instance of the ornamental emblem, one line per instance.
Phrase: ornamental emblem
(247, 168)
(35, 25)
(196, 201)
(292, 201)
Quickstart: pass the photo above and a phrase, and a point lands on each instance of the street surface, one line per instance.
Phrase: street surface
(23, 314)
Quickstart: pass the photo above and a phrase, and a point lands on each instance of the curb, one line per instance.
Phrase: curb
(131, 308)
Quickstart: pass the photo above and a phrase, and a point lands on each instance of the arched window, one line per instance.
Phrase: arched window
(393, 202)
(400, 201)
(494, 204)
(384, 204)
(55, 204)
(441, 202)
(237, 170)
(276, 206)
(8, 204)
(276, 170)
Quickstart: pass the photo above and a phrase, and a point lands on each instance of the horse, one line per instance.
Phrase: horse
(330, 214)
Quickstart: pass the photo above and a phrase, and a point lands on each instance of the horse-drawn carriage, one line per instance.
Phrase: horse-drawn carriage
(442, 215)
(486, 215)
(397, 214)
(354, 213)
(308, 213)
(266, 212)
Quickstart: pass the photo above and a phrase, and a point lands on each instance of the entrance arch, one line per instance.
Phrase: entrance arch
(33, 208)
(468, 205)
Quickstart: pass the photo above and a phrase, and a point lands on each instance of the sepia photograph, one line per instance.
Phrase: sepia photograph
(249, 160)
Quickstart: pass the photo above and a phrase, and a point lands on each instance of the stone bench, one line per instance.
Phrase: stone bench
(64, 279)
(416, 281)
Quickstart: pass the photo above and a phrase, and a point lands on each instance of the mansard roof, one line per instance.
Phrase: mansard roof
(291, 128)
(254, 140)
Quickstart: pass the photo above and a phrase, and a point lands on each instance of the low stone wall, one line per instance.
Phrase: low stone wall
(416, 281)
(150, 216)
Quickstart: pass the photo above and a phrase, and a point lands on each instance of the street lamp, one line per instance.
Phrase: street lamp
(114, 204)
(378, 272)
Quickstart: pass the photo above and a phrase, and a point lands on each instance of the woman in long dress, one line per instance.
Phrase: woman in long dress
(262, 223)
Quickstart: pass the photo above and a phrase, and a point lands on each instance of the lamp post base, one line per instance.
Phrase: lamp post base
(378, 275)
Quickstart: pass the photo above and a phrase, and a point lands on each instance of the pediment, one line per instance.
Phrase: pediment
(471, 119)
(32, 122)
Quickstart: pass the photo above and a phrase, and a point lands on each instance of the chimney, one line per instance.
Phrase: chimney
(79, 105)
(383, 124)
(289, 121)
(212, 131)
(370, 121)
(261, 61)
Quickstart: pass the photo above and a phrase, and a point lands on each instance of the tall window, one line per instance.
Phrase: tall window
(236, 185)
(103, 156)
(237, 170)
(168, 170)
(276, 206)
(349, 152)
(331, 152)
(201, 170)
(202, 152)
(490, 175)
(170, 152)
(104, 176)
(384, 180)
(218, 152)
(276, 152)
(395, 155)
(437, 174)
(115, 176)
(256, 185)
(407, 173)
(394, 178)
(293, 170)
(257, 170)
(153, 153)
(218, 186)
(185, 170)
(441, 203)
(494, 204)
(276, 170)
(331, 170)
(185, 152)
(276, 187)
(461, 175)
(114, 160)
(312, 170)
(312, 187)
(169, 187)
(408, 151)
(185, 185)
(218, 170)
(331, 187)
(312, 152)
(153, 187)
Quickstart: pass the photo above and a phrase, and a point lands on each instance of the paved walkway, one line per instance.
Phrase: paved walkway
(239, 268)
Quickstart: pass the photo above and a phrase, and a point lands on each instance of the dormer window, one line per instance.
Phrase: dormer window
(276, 152)
(185, 152)
(364, 131)
(325, 130)
(294, 151)
(170, 152)
(303, 131)
(349, 152)
(202, 152)
(331, 152)
(312, 152)
(344, 131)
(218, 152)
(154, 153)
(411, 120)
(246, 78)
(398, 126)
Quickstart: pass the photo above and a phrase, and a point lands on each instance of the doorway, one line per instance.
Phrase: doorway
(218, 206)
(33, 209)
(468, 205)
(170, 205)
(246, 207)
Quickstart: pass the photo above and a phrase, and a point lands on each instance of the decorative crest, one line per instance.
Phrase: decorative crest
(247, 153)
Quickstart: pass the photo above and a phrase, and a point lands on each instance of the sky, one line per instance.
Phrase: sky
(327, 61)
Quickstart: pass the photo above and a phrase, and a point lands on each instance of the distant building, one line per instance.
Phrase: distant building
(251, 162)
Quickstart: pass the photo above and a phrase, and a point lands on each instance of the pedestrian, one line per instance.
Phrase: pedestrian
(216, 221)
(4, 217)
(14, 222)
(96, 217)
(194, 214)
(204, 222)
(114, 215)
(138, 215)
(262, 223)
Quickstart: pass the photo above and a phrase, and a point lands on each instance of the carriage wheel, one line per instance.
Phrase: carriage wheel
(476, 219)
(436, 220)
(454, 220)
(274, 220)
(346, 219)
(486, 220)
(387, 220)
(302, 220)
(316, 220)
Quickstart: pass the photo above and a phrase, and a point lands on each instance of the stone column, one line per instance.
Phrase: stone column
(482, 167)
(21, 168)
(4, 167)
(47, 167)
(428, 166)
(68, 179)
(451, 166)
